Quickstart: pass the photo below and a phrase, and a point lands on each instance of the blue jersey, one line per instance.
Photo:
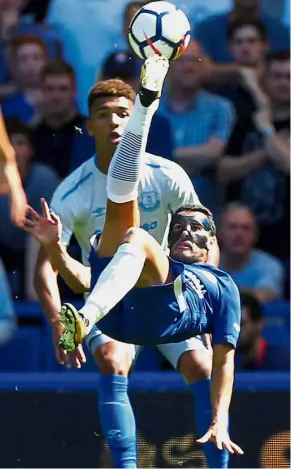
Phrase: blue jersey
(201, 299)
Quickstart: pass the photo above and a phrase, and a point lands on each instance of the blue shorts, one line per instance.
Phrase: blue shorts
(152, 315)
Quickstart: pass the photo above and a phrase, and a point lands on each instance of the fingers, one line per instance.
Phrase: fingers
(33, 213)
(81, 354)
(236, 449)
(62, 357)
(54, 218)
(45, 209)
(78, 357)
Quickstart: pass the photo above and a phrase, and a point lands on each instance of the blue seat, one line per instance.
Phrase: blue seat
(277, 309)
(277, 334)
(24, 352)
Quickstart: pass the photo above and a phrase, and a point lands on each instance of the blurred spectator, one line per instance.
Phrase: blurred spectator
(13, 25)
(35, 9)
(240, 82)
(201, 122)
(61, 140)
(7, 313)
(28, 57)
(256, 167)
(212, 32)
(253, 351)
(126, 66)
(18, 250)
(84, 25)
(251, 269)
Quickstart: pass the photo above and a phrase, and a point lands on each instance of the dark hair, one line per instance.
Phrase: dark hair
(110, 88)
(277, 56)
(136, 5)
(201, 209)
(15, 126)
(24, 39)
(233, 26)
(59, 67)
(253, 305)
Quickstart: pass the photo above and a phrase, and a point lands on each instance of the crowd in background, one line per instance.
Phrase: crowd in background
(224, 117)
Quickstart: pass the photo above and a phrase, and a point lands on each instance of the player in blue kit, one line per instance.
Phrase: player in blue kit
(132, 268)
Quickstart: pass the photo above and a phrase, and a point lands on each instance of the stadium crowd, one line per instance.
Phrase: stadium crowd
(224, 117)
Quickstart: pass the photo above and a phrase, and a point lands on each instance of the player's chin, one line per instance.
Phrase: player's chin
(186, 256)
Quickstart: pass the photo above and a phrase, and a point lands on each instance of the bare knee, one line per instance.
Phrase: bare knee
(113, 358)
(195, 365)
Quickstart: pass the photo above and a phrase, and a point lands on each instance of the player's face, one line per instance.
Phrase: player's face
(247, 47)
(190, 237)
(238, 231)
(108, 119)
(29, 62)
(277, 81)
(59, 93)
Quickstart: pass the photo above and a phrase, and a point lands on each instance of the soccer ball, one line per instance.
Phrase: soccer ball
(159, 28)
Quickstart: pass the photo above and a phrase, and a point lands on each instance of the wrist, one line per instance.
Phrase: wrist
(54, 248)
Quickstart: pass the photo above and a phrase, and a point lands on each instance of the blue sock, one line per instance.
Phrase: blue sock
(203, 412)
(117, 420)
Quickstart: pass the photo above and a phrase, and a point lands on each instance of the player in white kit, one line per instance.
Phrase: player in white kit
(80, 203)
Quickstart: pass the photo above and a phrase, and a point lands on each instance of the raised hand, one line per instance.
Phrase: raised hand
(46, 228)
(218, 434)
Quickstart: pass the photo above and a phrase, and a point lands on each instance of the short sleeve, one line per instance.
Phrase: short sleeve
(180, 189)
(67, 210)
(227, 316)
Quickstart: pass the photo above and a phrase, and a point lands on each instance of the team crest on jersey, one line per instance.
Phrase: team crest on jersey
(149, 201)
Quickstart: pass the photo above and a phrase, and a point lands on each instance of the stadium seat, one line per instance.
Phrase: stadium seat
(277, 309)
(277, 334)
(23, 353)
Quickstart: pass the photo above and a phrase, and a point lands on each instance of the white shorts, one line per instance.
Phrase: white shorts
(172, 352)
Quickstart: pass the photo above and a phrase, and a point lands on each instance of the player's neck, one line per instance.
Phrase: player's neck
(103, 159)
(232, 262)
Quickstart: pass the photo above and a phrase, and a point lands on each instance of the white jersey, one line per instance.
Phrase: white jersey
(80, 200)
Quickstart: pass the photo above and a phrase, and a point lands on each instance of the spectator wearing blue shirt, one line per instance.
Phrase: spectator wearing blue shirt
(125, 66)
(7, 313)
(201, 123)
(28, 58)
(61, 140)
(212, 32)
(252, 270)
(253, 351)
(17, 249)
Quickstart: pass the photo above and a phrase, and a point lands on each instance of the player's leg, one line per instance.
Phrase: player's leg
(124, 172)
(138, 261)
(114, 360)
(194, 361)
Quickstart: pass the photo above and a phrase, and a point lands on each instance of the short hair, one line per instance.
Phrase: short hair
(57, 68)
(15, 126)
(114, 88)
(255, 309)
(199, 208)
(277, 56)
(24, 39)
(240, 23)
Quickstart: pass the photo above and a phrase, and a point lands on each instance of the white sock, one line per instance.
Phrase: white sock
(125, 167)
(116, 280)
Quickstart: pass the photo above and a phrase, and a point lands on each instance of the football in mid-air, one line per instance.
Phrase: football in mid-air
(159, 28)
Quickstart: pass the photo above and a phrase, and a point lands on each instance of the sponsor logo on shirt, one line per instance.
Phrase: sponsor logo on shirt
(150, 226)
(149, 201)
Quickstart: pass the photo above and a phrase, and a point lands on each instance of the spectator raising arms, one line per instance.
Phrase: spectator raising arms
(256, 167)
(251, 269)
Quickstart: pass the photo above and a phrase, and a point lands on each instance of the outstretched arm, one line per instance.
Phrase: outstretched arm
(10, 180)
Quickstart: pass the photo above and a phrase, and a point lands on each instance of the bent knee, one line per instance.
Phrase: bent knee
(113, 359)
(195, 365)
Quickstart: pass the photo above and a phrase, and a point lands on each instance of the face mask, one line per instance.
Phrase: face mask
(185, 222)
